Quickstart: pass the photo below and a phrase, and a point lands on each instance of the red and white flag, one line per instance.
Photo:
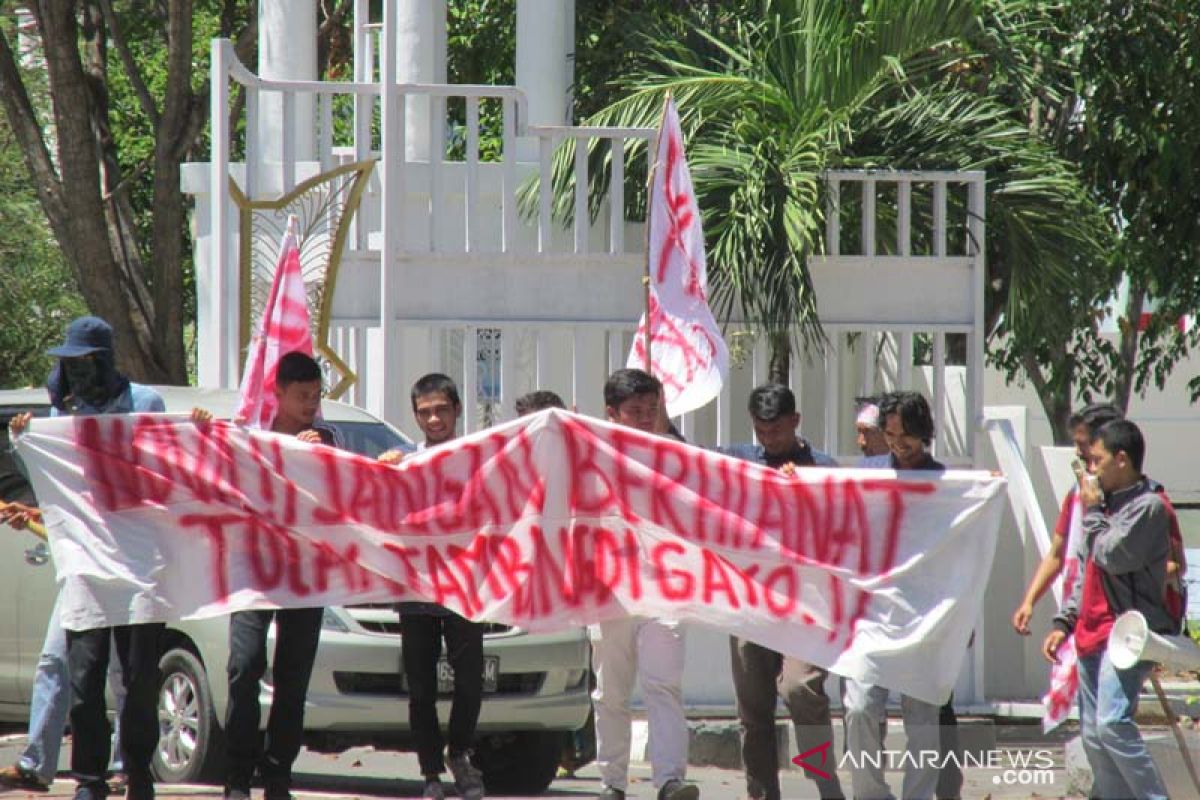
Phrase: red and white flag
(688, 353)
(283, 329)
(1064, 674)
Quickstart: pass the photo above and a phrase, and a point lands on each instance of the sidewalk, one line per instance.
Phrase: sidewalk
(1019, 747)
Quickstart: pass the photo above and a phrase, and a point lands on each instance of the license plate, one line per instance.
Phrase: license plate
(491, 675)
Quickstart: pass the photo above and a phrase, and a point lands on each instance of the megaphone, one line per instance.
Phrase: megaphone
(1131, 641)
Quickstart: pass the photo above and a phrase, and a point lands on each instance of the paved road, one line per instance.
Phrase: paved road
(363, 772)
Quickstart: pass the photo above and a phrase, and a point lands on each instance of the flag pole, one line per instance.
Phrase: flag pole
(646, 278)
(1175, 729)
(38, 529)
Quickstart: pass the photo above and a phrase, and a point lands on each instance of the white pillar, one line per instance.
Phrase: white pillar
(221, 285)
(420, 58)
(545, 64)
(385, 359)
(287, 50)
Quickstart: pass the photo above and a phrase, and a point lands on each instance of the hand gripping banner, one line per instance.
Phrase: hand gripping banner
(548, 521)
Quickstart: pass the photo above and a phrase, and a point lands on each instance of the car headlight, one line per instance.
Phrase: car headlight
(332, 622)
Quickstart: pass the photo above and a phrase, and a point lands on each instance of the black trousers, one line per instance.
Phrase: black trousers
(760, 676)
(421, 646)
(87, 661)
(297, 632)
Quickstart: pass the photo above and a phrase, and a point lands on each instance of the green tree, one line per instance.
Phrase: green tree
(1137, 141)
(33, 303)
(128, 102)
(1111, 87)
(1003, 102)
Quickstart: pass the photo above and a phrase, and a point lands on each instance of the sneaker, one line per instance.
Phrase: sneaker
(467, 779)
(17, 777)
(676, 789)
(118, 782)
(434, 790)
(609, 793)
(92, 790)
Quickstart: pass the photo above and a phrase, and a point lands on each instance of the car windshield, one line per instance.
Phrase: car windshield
(13, 484)
(368, 438)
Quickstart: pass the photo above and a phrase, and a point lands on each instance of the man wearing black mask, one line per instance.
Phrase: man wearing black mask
(85, 381)
(907, 423)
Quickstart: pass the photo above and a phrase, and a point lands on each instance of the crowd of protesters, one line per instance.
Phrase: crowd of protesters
(1131, 556)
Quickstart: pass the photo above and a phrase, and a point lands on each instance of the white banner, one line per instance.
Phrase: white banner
(687, 351)
(548, 521)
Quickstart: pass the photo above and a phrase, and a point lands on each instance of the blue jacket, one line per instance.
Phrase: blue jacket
(135, 399)
(756, 454)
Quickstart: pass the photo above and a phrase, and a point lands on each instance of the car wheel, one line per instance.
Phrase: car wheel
(190, 747)
(519, 763)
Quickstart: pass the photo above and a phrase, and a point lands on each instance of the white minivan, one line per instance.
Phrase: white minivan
(536, 685)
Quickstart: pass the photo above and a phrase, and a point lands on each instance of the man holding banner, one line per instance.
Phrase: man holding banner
(760, 674)
(280, 391)
(85, 382)
(297, 402)
(423, 627)
(908, 426)
(647, 649)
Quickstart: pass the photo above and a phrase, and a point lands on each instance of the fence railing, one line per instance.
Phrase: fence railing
(440, 160)
(455, 200)
(924, 209)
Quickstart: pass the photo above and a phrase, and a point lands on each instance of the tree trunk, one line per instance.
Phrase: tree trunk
(84, 230)
(1127, 345)
(118, 210)
(1055, 396)
(132, 280)
(174, 136)
(779, 366)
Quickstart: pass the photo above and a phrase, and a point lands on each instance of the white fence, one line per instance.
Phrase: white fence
(442, 271)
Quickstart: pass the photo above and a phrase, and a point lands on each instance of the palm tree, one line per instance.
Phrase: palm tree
(806, 85)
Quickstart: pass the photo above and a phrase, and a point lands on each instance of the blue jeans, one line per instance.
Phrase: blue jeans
(1108, 698)
(51, 700)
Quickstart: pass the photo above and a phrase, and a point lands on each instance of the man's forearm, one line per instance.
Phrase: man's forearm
(1047, 571)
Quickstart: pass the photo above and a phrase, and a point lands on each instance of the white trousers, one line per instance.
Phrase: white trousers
(650, 651)
(866, 719)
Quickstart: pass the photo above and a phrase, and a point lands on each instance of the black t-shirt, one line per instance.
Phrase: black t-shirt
(801, 455)
(930, 463)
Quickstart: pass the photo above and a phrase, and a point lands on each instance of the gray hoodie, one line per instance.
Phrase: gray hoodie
(1129, 539)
